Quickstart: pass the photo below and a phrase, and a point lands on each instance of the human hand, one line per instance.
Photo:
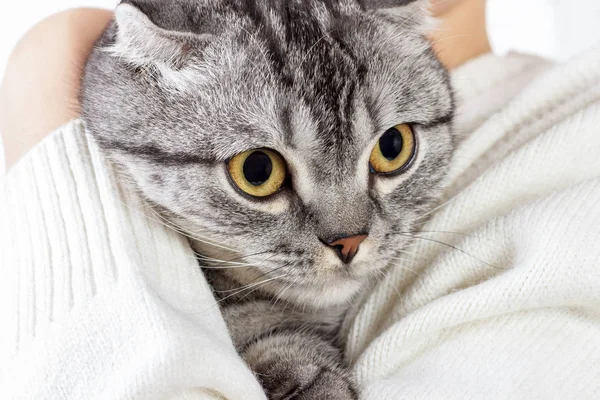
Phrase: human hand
(461, 34)
(40, 88)
(441, 7)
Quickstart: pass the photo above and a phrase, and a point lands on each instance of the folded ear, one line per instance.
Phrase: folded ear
(141, 42)
(410, 13)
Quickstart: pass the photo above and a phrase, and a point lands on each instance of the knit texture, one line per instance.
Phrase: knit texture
(99, 299)
(499, 296)
(497, 299)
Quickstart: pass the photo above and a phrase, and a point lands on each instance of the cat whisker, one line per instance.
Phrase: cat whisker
(436, 208)
(203, 239)
(263, 274)
(447, 233)
(444, 232)
(442, 205)
(199, 255)
(225, 265)
(408, 253)
(230, 266)
(410, 18)
(261, 263)
(411, 262)
(452, 37)
(210, 264)
(403, 266)
(279, 294)
(383, 275)
(253, 290)
(452, 247)
(162, 221)
(214, 262)
(308, 53)
(247, 287)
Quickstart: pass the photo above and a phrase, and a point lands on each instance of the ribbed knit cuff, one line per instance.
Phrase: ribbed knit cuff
(99, 299)
(54, 219)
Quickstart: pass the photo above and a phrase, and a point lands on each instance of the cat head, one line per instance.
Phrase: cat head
(304, 138)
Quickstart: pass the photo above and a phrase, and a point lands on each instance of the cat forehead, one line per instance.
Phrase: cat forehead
(305, 78)
(320, 78)
(330, 108)
(287, 37)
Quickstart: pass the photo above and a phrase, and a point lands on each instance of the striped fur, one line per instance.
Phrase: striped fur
(176, 88)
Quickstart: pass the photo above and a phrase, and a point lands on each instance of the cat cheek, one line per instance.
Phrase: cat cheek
(277, 205)
(387, 185)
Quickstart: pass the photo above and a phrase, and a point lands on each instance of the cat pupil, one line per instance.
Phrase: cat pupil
(391, 144)
(257, 168)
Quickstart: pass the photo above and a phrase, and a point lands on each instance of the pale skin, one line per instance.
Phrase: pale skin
(40, 88)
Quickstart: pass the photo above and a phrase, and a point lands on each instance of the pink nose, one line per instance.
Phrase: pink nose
(347, 247)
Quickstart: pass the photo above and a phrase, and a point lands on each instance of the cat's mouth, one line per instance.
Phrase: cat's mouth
(319, 280)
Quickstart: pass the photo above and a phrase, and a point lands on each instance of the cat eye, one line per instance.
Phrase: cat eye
(394, 151)
(259, 173)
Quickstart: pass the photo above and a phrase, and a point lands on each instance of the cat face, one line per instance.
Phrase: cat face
(304, 138)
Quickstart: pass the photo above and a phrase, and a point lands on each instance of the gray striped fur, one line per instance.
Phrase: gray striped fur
(176, 88)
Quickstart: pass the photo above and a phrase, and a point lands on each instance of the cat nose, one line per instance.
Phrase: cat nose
(346, 247)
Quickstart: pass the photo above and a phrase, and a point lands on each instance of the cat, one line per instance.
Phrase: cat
(297, 143)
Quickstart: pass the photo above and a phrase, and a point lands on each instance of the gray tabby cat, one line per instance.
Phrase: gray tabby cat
(297, 142)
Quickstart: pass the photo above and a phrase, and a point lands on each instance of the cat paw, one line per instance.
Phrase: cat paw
(300, 366)
(327, 385)
(309, 382)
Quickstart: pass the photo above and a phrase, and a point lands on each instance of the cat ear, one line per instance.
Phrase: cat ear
(410, 13)
(141, 42)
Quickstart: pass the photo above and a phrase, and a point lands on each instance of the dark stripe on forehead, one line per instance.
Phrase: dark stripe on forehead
(274, 48)
(333, 98)
(302, 29)
(444, 119)
(372, 112)
(348, 101)
(315, 61)
(285, 116)
(153, 153)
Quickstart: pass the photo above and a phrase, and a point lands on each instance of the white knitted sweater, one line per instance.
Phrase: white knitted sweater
(100, 301)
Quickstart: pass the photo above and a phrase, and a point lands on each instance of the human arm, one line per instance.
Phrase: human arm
(555, 30)
(41, 84)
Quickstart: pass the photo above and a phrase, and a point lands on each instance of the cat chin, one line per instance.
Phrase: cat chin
(338, 292)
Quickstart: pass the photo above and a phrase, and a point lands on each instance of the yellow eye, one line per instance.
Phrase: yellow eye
(394, 150)
(259, 172)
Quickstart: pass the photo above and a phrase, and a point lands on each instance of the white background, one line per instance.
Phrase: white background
(555, 29)
(17, 16)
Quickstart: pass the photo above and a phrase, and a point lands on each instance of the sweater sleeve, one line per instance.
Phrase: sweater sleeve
(497, 297)
(99, 299)
(553, 29)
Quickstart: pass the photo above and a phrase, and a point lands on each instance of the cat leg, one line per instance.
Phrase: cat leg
(293, 354)
(293, 365)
